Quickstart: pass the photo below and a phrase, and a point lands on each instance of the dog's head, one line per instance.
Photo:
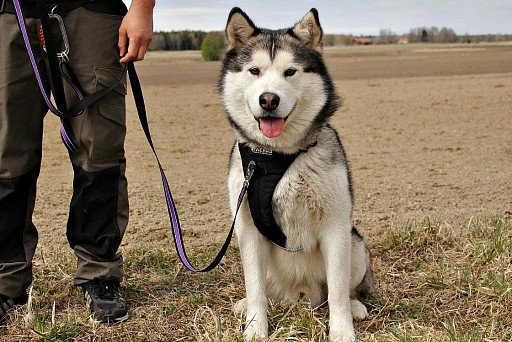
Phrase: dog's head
(274, 83)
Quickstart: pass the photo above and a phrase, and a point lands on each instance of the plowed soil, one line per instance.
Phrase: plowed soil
(427, 129)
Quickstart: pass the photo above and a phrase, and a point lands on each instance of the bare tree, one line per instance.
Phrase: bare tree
(387, 36)
(446, 35)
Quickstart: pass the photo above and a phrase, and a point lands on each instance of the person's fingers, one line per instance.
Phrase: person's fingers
(133, 50)
(123, 42)
(142, 52)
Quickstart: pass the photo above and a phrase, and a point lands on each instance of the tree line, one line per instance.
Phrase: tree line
(192, 40)
(438, 35)
(177, 40)
(432, 35)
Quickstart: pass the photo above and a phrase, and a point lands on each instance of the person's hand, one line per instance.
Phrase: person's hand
(136, 31)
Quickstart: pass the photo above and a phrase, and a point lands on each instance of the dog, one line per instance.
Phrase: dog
(279, 98)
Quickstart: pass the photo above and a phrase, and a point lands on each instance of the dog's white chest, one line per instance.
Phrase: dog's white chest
(305, 199)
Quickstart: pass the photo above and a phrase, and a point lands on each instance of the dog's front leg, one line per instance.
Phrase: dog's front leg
(254, 252)
(336, 251)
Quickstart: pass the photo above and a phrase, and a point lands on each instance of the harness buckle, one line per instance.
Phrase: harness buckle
(64, 54)
(250, 170)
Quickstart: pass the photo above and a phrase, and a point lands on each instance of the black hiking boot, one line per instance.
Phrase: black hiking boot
(105, 301)
(6, 304)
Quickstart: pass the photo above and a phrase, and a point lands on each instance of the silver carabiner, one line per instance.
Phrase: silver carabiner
(63, 55)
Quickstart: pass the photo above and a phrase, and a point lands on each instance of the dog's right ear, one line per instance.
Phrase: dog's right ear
(238, 29)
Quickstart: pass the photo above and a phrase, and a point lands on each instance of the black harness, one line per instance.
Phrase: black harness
(270, 168)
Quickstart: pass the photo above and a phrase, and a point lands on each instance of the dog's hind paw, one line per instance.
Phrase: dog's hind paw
(359, 311)
(240, 307)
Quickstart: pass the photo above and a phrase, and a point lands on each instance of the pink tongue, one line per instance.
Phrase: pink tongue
(271, 127)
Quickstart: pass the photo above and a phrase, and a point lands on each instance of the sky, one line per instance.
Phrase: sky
(365, 17)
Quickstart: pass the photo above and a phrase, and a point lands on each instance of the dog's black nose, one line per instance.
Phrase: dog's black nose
(269, 101)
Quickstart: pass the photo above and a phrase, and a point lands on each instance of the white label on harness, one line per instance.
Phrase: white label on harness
(261, 151)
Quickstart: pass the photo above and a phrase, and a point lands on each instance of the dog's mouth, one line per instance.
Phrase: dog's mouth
(271, 127)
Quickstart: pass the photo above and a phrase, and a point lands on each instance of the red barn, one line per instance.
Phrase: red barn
(362, 41)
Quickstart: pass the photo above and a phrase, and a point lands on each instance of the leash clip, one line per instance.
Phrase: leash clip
(250, 170)
(63, 55)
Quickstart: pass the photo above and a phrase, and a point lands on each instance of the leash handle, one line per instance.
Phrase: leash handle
(65, 130)
(23, 28)
(171, 207)
(84, 102)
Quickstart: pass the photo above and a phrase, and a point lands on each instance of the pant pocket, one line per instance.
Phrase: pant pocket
(109, 118)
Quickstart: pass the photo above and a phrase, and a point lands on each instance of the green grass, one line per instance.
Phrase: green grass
(435, 283)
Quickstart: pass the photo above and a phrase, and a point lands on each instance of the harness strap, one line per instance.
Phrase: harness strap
(270, 168)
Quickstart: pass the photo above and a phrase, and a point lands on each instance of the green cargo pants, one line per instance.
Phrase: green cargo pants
(98, 213)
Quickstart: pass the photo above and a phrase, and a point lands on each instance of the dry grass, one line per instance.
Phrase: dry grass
(436, 283)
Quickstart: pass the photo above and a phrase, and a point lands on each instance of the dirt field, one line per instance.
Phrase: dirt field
(428, 133)
(430, 146)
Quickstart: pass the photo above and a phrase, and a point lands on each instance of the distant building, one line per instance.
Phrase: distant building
(403, 39)
(362, 41)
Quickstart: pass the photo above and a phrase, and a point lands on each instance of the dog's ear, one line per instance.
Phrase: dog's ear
(309, 31)
(238, 29)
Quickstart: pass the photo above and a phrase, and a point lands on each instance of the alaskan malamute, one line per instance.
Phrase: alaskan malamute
(279, 97)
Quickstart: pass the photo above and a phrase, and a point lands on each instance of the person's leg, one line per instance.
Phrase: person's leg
(98, 213)
(22, 111)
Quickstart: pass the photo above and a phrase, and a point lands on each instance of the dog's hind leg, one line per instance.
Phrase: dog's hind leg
(367, 285)
(317, 294)
(361, 276)
(361, 267)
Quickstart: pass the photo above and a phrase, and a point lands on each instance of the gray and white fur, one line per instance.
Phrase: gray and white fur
(313, 201)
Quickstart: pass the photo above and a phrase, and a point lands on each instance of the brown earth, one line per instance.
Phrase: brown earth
(428, 133)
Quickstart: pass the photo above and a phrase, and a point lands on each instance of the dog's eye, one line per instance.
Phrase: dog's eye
(254, 71)
(290, 72)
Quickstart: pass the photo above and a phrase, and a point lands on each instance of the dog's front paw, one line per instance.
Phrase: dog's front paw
(359, 311)
(256, 328)
(342, 329)
(342, 337)
(255, 333)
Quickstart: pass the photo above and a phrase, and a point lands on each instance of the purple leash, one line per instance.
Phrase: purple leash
(84, 101)
(23, 28)
(171, 207)
(141, 111)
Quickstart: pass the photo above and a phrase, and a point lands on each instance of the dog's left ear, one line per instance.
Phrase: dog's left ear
(309, 31)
